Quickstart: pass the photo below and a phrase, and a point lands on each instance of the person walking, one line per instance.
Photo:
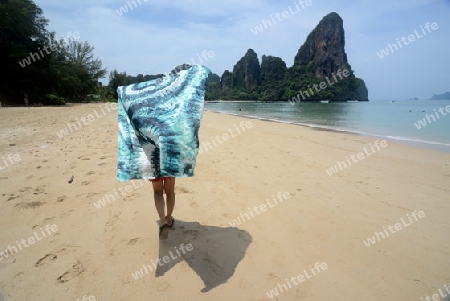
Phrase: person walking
(158, 126)
(167, 185)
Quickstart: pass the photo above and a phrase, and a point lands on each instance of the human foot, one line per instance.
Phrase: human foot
(164, 231)
(171, 222)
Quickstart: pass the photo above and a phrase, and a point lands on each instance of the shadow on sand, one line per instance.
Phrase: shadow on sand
(215, 252)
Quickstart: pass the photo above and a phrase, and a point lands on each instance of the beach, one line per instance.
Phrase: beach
(264, 216)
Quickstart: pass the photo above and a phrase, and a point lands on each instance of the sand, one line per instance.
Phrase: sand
(310, 225)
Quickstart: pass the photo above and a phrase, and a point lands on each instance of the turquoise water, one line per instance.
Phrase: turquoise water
(382, 119)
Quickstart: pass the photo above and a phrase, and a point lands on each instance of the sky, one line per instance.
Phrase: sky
(153, 36)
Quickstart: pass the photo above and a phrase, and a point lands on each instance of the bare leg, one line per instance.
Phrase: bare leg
(169, 188)
(158, 191)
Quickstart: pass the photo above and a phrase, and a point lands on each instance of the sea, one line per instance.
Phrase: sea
(421, 123)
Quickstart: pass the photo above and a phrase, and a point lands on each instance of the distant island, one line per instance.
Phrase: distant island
(442, 96)
(320, 72)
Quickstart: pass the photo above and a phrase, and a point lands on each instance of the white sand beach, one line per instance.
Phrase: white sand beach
(305, 219)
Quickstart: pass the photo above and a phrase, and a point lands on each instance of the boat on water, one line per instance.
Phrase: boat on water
(352, 100)
(325, 101)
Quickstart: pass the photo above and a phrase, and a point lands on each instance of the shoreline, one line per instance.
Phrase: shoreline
(416, 143)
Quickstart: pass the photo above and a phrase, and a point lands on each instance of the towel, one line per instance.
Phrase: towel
(159, 121)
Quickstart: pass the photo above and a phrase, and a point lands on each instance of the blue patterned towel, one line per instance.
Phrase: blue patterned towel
(159, 122)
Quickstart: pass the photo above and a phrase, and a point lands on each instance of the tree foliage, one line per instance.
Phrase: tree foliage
(68, 70)
(117, 79)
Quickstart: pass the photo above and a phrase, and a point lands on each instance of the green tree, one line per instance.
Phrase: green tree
(22, 33)
(68, 70)
(78, 70)
(117, 79)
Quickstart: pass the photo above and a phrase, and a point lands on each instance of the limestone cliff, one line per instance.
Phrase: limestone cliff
(247, 72)
(317, 62)
(324, 47)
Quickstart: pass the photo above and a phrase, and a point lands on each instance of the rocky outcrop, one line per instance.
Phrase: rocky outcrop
(273, 69)
(318, 60)
(226, 81)
(247, 71)
(442, 96)
(324, 47)
(213, 78)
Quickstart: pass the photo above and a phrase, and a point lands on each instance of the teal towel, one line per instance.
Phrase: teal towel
(159, 121)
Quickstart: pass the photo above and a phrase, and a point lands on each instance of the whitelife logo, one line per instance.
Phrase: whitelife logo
(265, 24)
(423, 122)
(318, 267)
(130, 4)
(53, 47)
(10, 161)
(243, 217)
(436, 297)
(342, 165)
(398, 226)
(391, 48)
(319, 87)
(146, 269)
(72, 127)
(109, 198)
(244, 125)
(48, 230)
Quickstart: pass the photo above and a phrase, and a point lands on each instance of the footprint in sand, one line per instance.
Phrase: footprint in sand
(29, 177)
(77, 269)
(25, 189)
(61, 199)
(163, 286)
(19, 274)
(29, 205)
(133, 241)
(194, 205)
(47, 258)
(12, 198)
(86, 183)
(46, 220)
(39, 190)
(66, 213)
(91, 172)
(101, 164)
(182, 189)
(130, 197)
(110, 224)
